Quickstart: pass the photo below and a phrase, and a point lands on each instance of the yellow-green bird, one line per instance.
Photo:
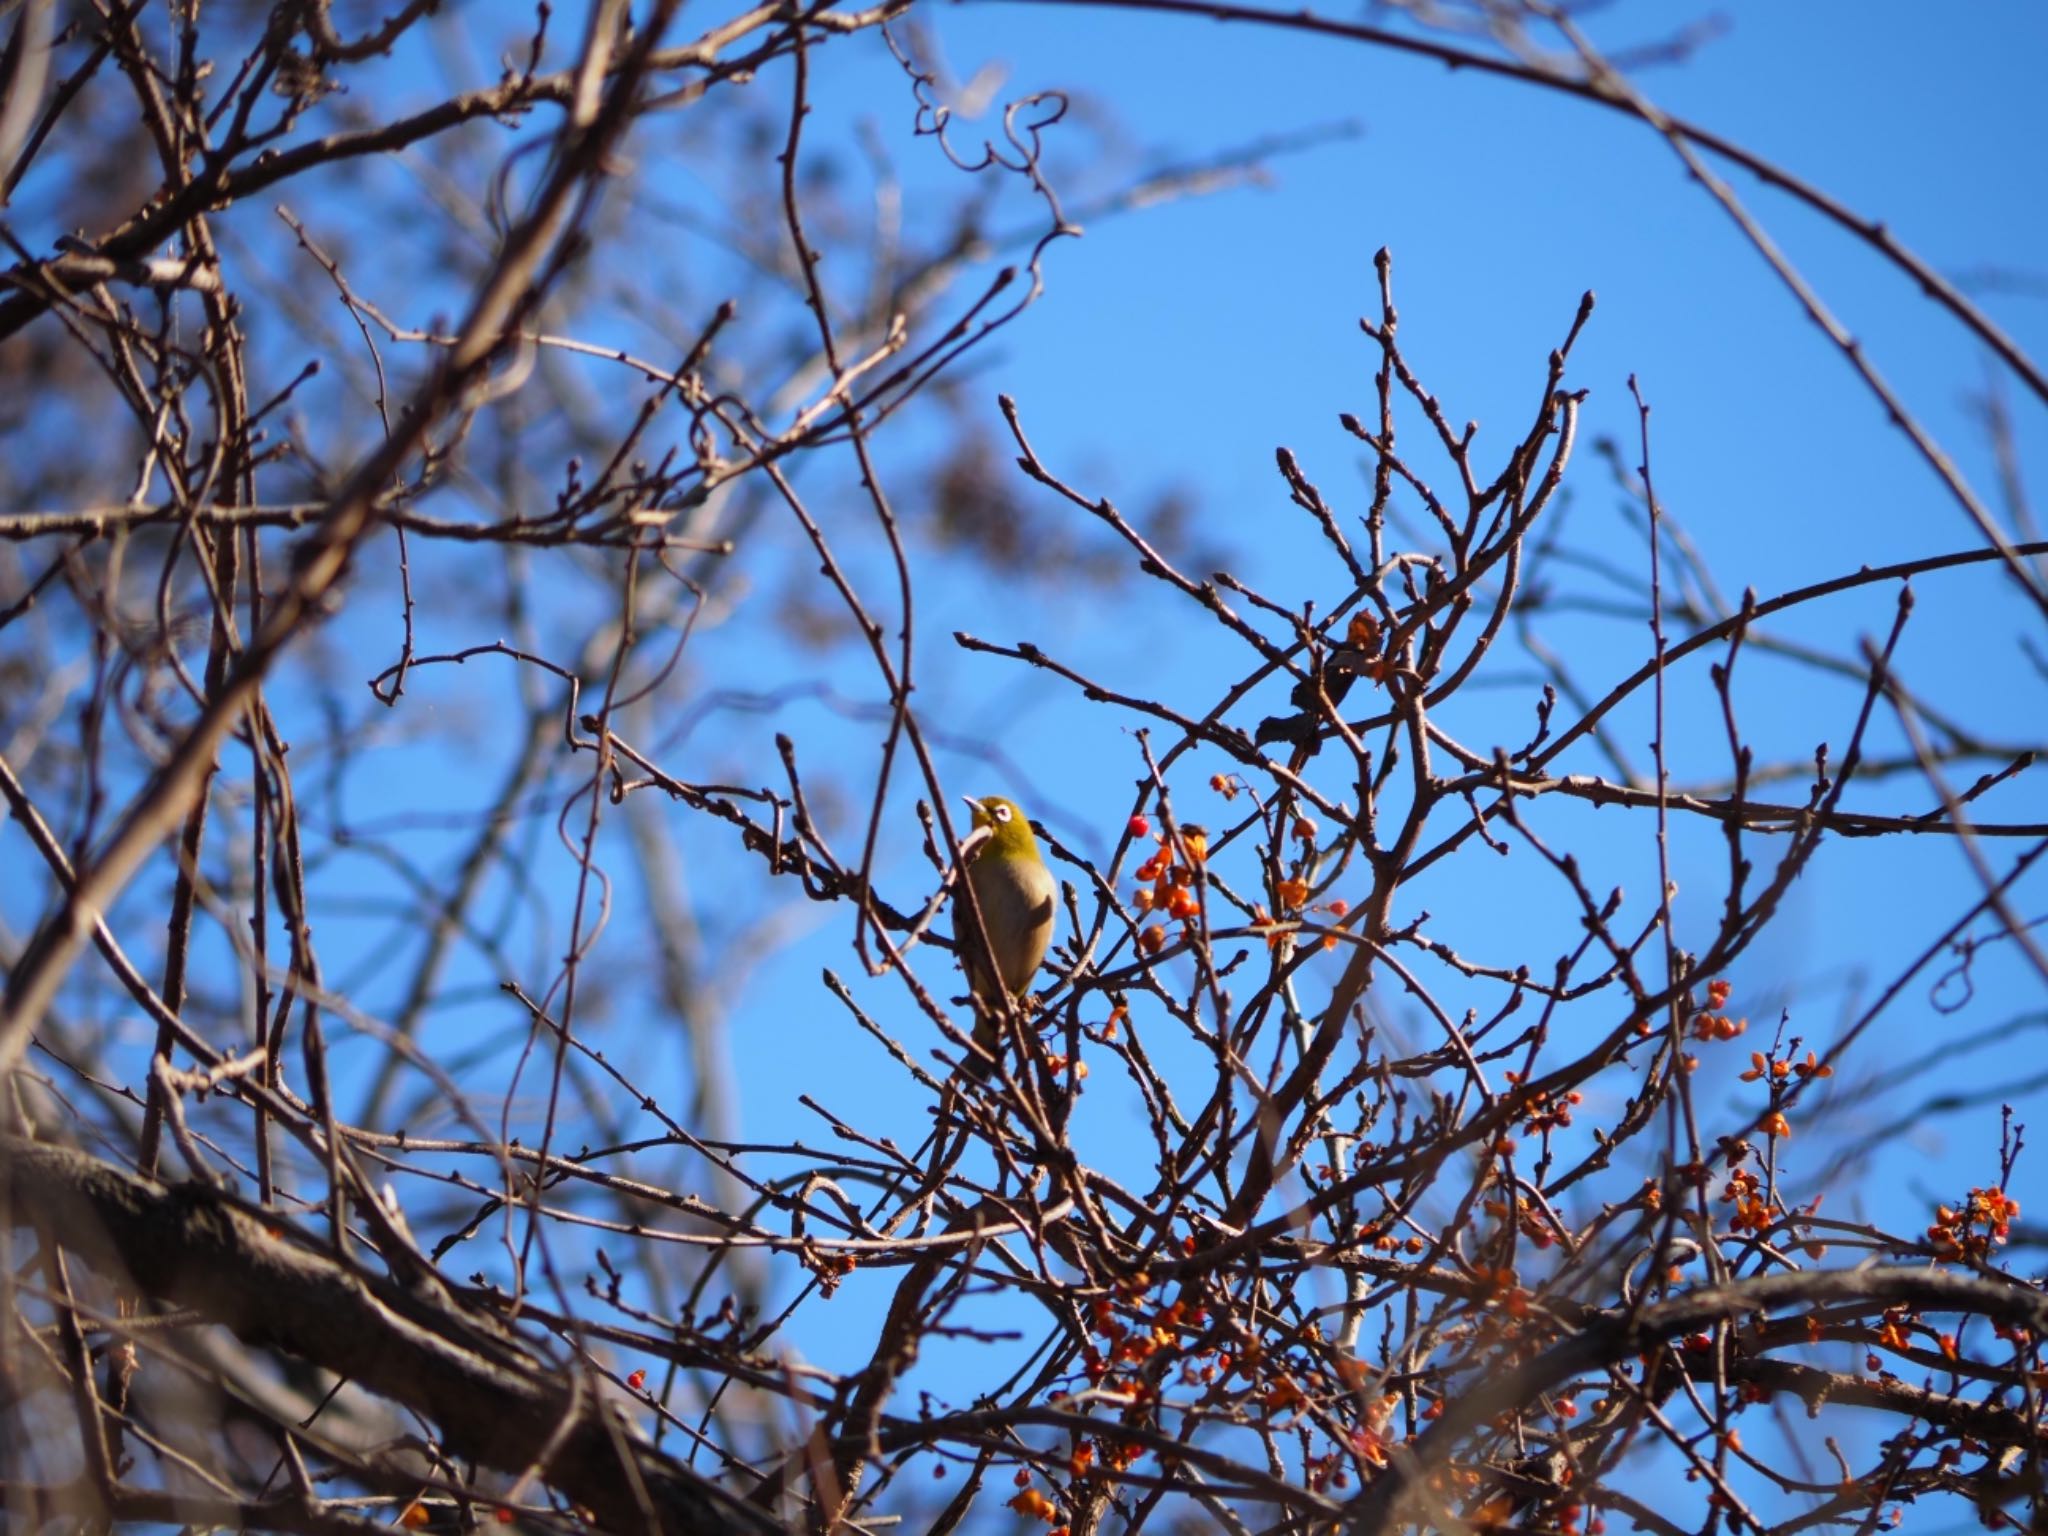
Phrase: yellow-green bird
(1015, 891)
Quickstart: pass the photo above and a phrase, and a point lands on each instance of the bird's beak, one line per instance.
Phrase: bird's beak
(979, 834)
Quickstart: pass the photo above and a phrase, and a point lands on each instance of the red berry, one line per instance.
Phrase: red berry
(1138, 826)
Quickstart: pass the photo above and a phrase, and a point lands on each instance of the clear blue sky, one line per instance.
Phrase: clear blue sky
(1181, 345)
(1178, 346)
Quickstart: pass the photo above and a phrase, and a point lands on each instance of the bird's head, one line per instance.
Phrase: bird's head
(1000, 829)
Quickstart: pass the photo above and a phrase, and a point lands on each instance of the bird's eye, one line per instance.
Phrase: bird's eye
(1002, 813)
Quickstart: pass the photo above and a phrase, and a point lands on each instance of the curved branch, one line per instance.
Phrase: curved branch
(1620, 1336)
(489, 1395)
(1872, 232)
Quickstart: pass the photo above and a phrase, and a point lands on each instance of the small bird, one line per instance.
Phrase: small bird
(1014, 890)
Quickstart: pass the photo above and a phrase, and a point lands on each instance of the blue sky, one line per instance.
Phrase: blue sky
(1177, 347)
(1183, 344)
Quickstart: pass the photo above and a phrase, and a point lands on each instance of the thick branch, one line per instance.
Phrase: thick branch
(490, 1397)
(1621, 1336)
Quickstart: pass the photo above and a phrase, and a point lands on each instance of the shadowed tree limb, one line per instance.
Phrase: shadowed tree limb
(492, 1398)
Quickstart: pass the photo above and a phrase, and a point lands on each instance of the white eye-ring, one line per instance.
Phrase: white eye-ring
(1002, 813)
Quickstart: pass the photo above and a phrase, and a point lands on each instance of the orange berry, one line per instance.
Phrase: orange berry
(1032, 1502)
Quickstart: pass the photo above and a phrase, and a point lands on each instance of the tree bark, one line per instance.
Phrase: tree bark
(492, 1397)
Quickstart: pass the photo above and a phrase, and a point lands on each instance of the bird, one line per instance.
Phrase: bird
(1014, 891)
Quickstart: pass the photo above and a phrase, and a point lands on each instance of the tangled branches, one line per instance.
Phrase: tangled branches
(1385, 1144)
